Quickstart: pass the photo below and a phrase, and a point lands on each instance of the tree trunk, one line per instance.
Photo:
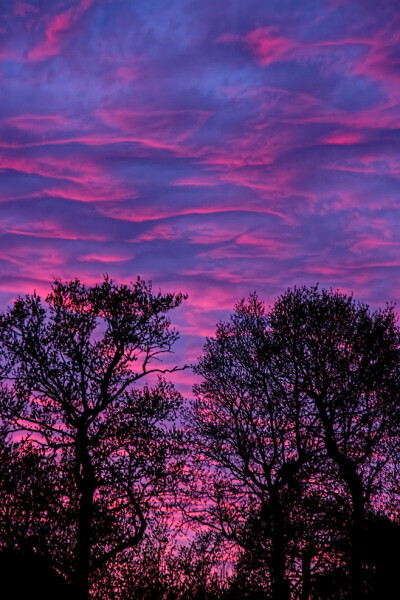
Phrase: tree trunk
(86, 485)
(357, 541)
(348, 473)
(279, 582)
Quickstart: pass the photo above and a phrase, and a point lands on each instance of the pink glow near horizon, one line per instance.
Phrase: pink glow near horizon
(214, 148)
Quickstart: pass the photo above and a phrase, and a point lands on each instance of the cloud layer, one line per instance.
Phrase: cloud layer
(215, 148)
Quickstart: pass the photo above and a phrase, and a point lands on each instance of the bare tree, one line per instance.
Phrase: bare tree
(250, 443)
(344, 360)
(297, 414)
(70, 372)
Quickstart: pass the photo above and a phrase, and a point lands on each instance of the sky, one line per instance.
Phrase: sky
(213, 147)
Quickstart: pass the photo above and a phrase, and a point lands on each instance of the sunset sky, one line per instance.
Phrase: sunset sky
(213, 147)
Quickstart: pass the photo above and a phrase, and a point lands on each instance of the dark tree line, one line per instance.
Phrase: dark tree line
(282, 472)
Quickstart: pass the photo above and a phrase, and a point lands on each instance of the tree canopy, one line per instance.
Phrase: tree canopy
(298, 409)
(70, 369)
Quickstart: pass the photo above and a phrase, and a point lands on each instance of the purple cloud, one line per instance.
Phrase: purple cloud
(214, 149)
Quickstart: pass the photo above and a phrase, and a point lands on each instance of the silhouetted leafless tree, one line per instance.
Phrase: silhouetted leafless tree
(297, 405)
(344, 361)
(251, 445)
(70, 371)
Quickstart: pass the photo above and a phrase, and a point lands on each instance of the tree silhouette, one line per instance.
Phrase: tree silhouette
(70, 372)
(343, 359)
(249, 443)
(297, 414)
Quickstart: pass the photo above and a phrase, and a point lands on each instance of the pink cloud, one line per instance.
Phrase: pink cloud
(211, 234)
(36, 267)
(46, 229)
(141, 213)
(249, 247)
(373, 118)
(185, 377)
(22, 285)
(159, 232)
(94, 139)
(36, 256)
(204, 232)
(343, 138)
(88, 182)
(67, 167)
(104, 190)
(209, 297)
(266, 46)
(366, 163)
(372, 243)
(222, 275)
(381, 62)
(263, 42)
(324, 270)
(38, 123)
(155, 128)
(57, 31)
(266, 244)
(351, 273)
(105, 258)
(196, 323)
